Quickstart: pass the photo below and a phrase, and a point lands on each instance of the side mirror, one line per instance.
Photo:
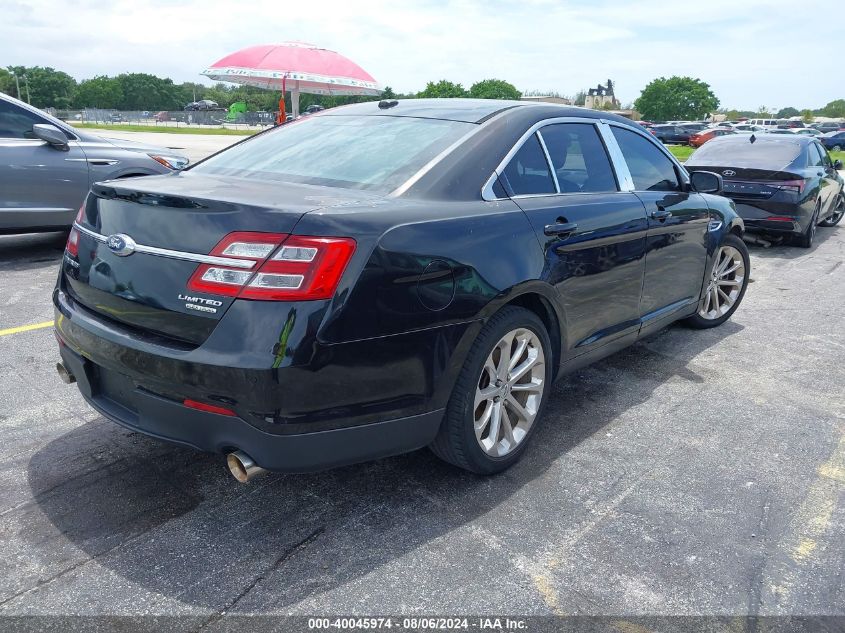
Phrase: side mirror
(50, 133)
(837, 164)
(706, 182)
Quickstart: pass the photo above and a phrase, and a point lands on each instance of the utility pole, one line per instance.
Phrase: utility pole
(17, 85)
(26, 82)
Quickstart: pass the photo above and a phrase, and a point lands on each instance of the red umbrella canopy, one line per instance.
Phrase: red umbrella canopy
(296, 66)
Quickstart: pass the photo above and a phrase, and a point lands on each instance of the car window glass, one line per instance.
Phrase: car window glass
(358, 152)
(578, 158)
(16, 122)
(815, 155)
(825, 156)
(528, 172)
(650, 169)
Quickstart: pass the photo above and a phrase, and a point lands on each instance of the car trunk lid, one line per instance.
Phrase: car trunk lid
(175, 222)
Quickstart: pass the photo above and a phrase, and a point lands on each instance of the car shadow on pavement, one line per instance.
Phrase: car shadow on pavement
(23, 252)
(174, 522)
(787, 250)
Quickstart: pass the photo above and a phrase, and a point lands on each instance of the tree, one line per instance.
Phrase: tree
(580, 98)
(676, 98)
(494, 89)
(7, 83)
(44, 87)
(99, 92)
(834, 109)
(807, 116)
(387, 93)
(148, 92)
(785, 113)
(763, 112)
(443, 89)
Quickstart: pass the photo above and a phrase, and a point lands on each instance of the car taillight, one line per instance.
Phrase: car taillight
(284, 267)
(72, 246)
(796, 186)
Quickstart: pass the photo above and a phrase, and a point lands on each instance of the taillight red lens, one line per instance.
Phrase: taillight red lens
(72, 246)
(304, 268)
(790, 185)
(228, 281)
(285, 268)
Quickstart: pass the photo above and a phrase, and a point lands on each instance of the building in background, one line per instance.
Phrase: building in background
(602, 98)
(547, 99)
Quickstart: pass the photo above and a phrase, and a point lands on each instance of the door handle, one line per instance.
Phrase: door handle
(661, 214)
(561, 229)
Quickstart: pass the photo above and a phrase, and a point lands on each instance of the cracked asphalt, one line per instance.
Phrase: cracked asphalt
(696, 473)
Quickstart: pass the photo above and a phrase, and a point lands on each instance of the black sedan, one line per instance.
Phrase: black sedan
(386, 276)
(674, 134)
(782, 184)
(834, 141)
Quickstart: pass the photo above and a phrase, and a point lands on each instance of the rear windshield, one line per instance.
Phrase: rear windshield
(762, 154)
(359, 152)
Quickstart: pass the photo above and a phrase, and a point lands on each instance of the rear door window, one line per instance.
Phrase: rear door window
(650, 169)
(579, 158)
(528, 171)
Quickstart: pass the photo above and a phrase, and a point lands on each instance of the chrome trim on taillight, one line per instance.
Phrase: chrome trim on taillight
(171, 254)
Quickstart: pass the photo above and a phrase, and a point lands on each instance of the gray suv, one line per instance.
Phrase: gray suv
(47, 167)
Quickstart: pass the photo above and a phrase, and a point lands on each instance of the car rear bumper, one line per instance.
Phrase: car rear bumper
(758, 219)
(345, 403)
(131, 406)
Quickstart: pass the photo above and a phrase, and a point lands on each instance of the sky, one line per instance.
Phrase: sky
(752, 52)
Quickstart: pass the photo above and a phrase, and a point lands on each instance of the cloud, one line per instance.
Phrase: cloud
(753, 53)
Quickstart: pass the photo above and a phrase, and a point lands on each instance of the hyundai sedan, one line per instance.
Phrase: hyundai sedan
(783, 185)
(382, 277)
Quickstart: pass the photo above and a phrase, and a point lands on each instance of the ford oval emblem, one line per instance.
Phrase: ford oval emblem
(729, 172)
(120, 244)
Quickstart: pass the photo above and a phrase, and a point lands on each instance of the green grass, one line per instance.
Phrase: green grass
(682, 152)
(125, 127)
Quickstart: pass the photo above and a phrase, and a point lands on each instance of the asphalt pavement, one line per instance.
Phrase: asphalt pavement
(697, 473)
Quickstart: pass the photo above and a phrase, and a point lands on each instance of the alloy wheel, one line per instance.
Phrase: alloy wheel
(724, 285)
(509, 392)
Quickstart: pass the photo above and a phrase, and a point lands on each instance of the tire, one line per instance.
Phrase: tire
(838, 213)
(706, 316)
(457, 441)
(805, 239)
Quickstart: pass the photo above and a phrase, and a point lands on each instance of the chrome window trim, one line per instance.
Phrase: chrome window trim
(617, 163)
(549, 162)
(171, 254)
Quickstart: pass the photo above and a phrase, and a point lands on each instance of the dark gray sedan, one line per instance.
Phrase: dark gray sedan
(47, 167)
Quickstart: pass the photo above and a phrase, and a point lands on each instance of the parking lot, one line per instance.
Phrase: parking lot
(696, 473)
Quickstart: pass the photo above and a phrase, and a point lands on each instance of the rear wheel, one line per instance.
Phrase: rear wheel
(726, 284)
(806, 239)
(838, 212)
(499, 394)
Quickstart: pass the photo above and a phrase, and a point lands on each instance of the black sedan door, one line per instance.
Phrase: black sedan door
(592, 234)
(676, 251)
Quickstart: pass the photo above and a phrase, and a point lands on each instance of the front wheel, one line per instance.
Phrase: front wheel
(726, 284)
(499, 394)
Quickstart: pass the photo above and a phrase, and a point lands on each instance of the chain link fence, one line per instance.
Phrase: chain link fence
(164, 118)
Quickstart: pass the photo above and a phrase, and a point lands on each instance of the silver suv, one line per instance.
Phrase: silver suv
(47, 167)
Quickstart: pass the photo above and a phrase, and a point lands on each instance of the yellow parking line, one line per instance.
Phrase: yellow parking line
(26, 328)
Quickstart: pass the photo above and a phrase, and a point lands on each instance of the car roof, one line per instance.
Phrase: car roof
(466, 110)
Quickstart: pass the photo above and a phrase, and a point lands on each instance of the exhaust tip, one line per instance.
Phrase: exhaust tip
(242, 467)
(64, 374)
